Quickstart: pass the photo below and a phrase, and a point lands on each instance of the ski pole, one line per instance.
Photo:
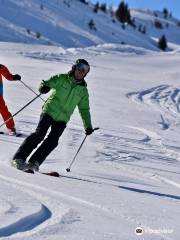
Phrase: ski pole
(31, 90)
(20, 109)
(69, 168)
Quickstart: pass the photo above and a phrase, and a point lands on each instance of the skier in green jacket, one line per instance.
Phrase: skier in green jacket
(68, 91)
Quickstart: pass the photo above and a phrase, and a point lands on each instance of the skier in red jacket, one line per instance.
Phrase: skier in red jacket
(3, 108)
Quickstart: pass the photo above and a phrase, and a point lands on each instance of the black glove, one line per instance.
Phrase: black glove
(89, 131)
(44, 89)
(16, 77)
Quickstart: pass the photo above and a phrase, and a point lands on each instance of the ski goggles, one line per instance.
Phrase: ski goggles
(83, 67)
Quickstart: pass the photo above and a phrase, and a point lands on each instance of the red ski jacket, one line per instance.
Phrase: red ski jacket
(4, 72)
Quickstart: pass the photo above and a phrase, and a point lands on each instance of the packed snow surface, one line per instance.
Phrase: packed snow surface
(127, 173)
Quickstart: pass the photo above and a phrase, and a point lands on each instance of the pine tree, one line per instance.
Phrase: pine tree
(120, 13)
(144, 30)
(96, 7)
(92, 25)
(140, 28)
(83, 1)
(38, 35)
(127, 14)
(165, 12)
(103, 7)
(162, 43)
(123, 13)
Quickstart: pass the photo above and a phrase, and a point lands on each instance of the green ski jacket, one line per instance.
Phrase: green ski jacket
(66, 95)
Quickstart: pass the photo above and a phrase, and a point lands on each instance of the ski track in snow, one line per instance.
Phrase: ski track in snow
(166, 100)
(123, 149)
(163, 97)
(52, 212)
(136, 139)
(93, 51)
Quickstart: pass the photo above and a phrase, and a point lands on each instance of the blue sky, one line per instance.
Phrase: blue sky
(172, 5)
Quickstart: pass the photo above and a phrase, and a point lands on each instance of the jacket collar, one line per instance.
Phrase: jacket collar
(80, 83)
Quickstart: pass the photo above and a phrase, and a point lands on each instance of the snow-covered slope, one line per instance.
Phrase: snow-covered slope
(127, 174)
(169, 25)
(65, 23)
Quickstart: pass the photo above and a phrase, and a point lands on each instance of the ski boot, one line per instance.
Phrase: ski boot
(33, 166)
(19, 164)
(11, 131)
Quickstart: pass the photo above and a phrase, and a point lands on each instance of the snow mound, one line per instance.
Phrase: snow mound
(164, 96)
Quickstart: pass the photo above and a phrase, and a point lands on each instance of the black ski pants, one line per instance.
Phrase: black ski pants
(47, 145)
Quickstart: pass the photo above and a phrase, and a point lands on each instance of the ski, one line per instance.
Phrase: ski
(29, 171)
(52, 174)
(16, 135)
